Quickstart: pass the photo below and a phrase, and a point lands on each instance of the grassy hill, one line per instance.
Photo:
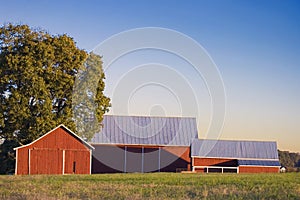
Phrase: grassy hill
(152, 186)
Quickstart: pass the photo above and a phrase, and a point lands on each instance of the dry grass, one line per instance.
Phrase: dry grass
(152, 186)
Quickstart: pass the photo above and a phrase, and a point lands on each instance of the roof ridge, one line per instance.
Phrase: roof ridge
(233, 140)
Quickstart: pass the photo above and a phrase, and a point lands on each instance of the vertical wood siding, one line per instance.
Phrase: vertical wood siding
(22, 161)
(45, 156)
(214, 162)
(247, 169)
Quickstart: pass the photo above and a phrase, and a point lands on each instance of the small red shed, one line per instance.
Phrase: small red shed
(60, 151)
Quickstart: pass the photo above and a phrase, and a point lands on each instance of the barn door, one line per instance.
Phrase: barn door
(45, 161)
(57, 161)
(76, 162)
(70, 162)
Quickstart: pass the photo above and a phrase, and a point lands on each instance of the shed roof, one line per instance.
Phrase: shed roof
(274, 163)
(146, 130)
(234, 149)
(65, 128)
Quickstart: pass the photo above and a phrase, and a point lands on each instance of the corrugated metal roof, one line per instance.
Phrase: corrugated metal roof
(179, 131)
(258, 163)
(234, 149)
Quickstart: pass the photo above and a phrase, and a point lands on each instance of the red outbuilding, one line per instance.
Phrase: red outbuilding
(59, 151)
(233, 156)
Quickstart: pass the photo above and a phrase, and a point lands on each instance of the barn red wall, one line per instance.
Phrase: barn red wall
(81, 159)
(228, 163)
(59, 138)
(46, 155)
(46, 161)
(213, 162)
(200, 170)
(181, 152)
(247, 169)
(22, 160)
(172, 158)
(175, 158)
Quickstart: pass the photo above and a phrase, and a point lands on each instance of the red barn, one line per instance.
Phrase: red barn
(143, 144)
(59, 151)
(234, 156)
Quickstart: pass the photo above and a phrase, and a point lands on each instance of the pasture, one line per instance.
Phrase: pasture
(152, 186)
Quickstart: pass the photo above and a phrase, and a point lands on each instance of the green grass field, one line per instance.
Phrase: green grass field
(152, 186)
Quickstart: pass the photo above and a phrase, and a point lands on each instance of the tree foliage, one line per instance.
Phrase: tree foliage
(289, 159)
(89, 102)
(38, 72)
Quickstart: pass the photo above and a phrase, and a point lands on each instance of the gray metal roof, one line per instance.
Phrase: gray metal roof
(234, 149)
(179, 131)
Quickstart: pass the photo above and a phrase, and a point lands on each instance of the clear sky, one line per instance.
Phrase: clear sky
(255, 45)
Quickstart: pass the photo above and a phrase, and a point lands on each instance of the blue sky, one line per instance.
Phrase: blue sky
(255, 44)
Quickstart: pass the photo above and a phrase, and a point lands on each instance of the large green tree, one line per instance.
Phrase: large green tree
(37, 76)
